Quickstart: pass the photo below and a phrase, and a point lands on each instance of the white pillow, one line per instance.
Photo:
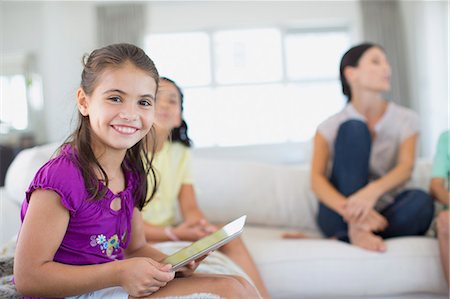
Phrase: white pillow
(24, 167)
(275, 195)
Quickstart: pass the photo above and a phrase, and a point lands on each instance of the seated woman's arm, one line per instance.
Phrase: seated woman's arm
(362, 202)
(402, 171)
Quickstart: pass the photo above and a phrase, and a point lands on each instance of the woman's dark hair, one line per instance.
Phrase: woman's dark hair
(136, 158)
(351, 58)
(179, 134)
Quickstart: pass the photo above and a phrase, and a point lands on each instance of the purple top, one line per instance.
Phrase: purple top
(95, 234)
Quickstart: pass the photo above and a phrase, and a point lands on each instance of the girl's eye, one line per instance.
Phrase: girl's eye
(115, 99)
(145, 102)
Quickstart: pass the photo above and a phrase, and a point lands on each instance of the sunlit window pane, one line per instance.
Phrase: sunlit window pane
(13, 110)
(253, 97)
(311, 105)
(248, 56)
(201, 115)
(184, 57)
(258, 114)
(314, 55)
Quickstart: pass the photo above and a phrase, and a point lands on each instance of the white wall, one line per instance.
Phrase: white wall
(59, 33)
(175, 16)
(426, 36)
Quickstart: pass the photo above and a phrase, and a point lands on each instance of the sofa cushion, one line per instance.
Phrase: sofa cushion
(310, 268)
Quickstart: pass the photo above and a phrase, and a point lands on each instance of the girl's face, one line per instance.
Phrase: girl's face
(373, 71)
(121, 108)
(168, 106)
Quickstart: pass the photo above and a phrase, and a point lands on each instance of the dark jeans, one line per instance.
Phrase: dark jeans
(409, 215)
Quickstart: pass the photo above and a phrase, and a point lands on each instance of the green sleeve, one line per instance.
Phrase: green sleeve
(441, 163)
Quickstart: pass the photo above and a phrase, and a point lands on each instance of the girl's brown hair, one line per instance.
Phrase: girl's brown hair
(136, 158)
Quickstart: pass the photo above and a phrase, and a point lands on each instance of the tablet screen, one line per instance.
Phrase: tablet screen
(206, 244)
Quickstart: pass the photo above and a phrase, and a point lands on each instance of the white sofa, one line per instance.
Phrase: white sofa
(276, 197)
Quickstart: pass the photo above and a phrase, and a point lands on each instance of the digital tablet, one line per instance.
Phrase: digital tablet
(206, 244)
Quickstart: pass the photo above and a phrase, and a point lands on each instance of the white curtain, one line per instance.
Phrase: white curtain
(120, 23)
(382, 24)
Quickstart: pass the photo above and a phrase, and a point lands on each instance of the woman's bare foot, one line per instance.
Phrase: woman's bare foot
(294, 235)
(366, 240)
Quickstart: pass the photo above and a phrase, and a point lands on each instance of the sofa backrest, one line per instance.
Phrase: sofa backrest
(275, 195)
(270, 194)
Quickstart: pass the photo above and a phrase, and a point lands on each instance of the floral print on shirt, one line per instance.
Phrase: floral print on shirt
(108, 246)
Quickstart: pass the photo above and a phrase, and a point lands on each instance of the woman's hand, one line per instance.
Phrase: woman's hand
(192, 230)
(374, 222)
(143, 276)
(360, 203)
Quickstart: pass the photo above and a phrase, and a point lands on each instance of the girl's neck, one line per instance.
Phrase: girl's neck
(369, 104)
(109, 159)
(161, 136)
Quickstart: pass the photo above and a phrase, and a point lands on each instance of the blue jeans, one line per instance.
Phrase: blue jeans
(409, 215)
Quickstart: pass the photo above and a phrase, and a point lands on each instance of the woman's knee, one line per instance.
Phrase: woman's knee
(354, 126)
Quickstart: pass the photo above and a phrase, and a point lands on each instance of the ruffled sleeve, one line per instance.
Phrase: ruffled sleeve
(62, 176)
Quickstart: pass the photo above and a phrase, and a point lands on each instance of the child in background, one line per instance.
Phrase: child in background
(82, 230)
(172, 163)
(439, 189)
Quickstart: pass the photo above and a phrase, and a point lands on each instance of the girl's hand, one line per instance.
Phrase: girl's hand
(190, 268)
(360, 203)
(208, 227)
(144, 276)
(192, 230)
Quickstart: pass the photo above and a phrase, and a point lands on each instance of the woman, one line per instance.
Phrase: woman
(364, 155)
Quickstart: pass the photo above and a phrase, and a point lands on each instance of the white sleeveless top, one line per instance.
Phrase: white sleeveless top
(395, 126)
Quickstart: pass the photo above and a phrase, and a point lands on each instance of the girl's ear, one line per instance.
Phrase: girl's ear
(82, 102)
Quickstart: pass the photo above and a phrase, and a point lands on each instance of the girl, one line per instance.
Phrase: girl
(364, 155)
(173, 164)
(439, 189)
(82, 229)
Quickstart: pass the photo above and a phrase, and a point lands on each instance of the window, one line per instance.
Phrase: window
(20, 93)
(185, 56)
(14, 110)
(253, 86)
(247, 56)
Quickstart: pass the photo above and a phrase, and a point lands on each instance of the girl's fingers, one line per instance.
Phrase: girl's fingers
(163, 276)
